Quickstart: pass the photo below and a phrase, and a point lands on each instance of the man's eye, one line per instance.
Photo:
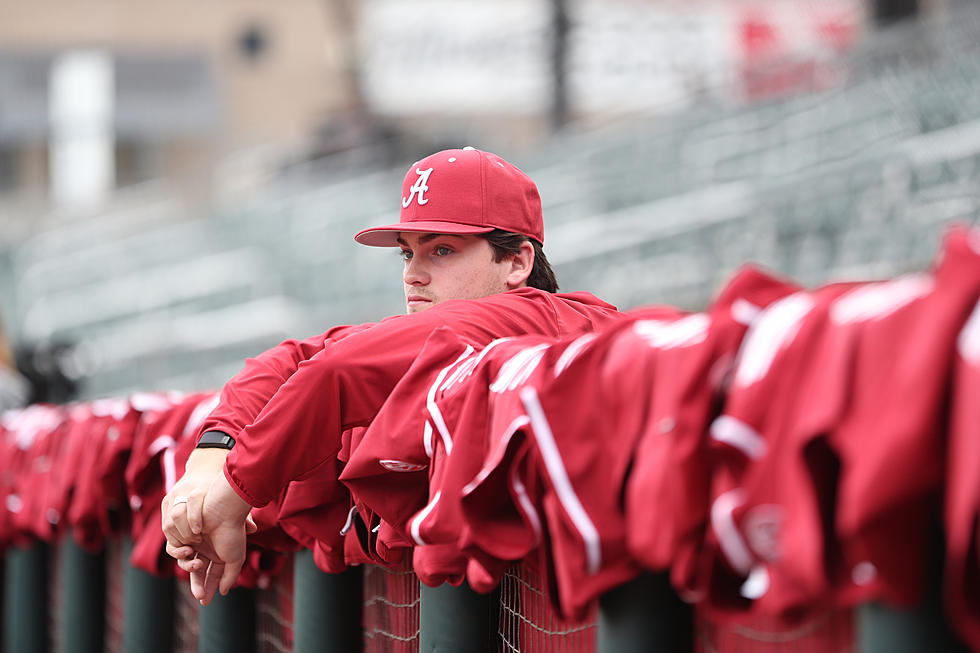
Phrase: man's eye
(442, 250)
(406, 254)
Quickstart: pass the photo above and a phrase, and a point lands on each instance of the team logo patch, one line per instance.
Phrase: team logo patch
(401, 466)
(420, 186)
(763, 528)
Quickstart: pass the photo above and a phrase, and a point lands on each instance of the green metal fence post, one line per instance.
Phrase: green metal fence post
(457, 619)
(645, 614)
(885, 629)
(882, 628)
(227, 625)
(81, 597)
(149, 609)
(25, 599)
(326, 608)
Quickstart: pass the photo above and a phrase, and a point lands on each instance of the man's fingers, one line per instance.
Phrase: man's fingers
(180, 551)
(250, 525)
(198, 578)
(215, 572)
(229, 576)
(193, 565)
(179, 518)
(175, 526)
(167, 522)
(194, 514)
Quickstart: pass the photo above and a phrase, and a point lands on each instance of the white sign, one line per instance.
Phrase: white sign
(630, 56)
(443, 56)
(428, 57)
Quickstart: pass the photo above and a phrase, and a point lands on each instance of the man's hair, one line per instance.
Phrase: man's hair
(506, 243)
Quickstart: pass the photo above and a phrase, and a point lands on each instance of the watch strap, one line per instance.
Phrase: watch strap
(215, 440)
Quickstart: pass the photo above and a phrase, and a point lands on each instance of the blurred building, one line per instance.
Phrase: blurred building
(189, 82)
(230, 88)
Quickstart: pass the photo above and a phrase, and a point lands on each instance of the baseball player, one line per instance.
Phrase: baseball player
(470, 228)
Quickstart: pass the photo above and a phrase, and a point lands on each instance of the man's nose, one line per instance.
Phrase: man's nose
(415, 273)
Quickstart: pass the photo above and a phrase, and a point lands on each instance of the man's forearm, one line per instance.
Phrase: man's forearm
(204, 460)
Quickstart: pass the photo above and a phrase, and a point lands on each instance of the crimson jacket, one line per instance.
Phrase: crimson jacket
(288, 407)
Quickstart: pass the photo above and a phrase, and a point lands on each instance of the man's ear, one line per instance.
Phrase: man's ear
(521, 264)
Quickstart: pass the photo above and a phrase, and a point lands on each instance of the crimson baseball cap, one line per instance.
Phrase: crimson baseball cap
(465, 191)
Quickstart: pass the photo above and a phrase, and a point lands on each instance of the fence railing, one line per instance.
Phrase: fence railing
(62, 598)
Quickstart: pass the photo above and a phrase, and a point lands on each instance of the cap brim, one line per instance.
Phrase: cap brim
(387, 236)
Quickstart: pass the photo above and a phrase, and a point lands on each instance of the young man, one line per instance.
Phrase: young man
(470, 232)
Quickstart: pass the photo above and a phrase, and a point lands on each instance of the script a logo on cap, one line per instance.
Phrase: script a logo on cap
(420, 186)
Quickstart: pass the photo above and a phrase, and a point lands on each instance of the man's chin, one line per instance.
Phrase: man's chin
(417, 307)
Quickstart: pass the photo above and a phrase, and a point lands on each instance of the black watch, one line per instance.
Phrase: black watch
(215, 440)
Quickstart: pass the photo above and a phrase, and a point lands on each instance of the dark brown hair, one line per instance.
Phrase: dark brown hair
(506, 243)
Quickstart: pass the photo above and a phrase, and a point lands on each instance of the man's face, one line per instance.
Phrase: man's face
(441, 266)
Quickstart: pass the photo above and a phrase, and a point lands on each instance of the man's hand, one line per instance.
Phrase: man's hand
(180, 510)
(205, 522)
(226, 523)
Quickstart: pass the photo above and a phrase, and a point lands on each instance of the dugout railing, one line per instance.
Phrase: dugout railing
(61, 598)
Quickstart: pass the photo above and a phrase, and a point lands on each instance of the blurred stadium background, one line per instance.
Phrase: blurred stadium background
(180, 182)
(198, 206)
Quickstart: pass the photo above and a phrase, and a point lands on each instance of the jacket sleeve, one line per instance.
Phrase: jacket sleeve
(246, 394)
(345, 383)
